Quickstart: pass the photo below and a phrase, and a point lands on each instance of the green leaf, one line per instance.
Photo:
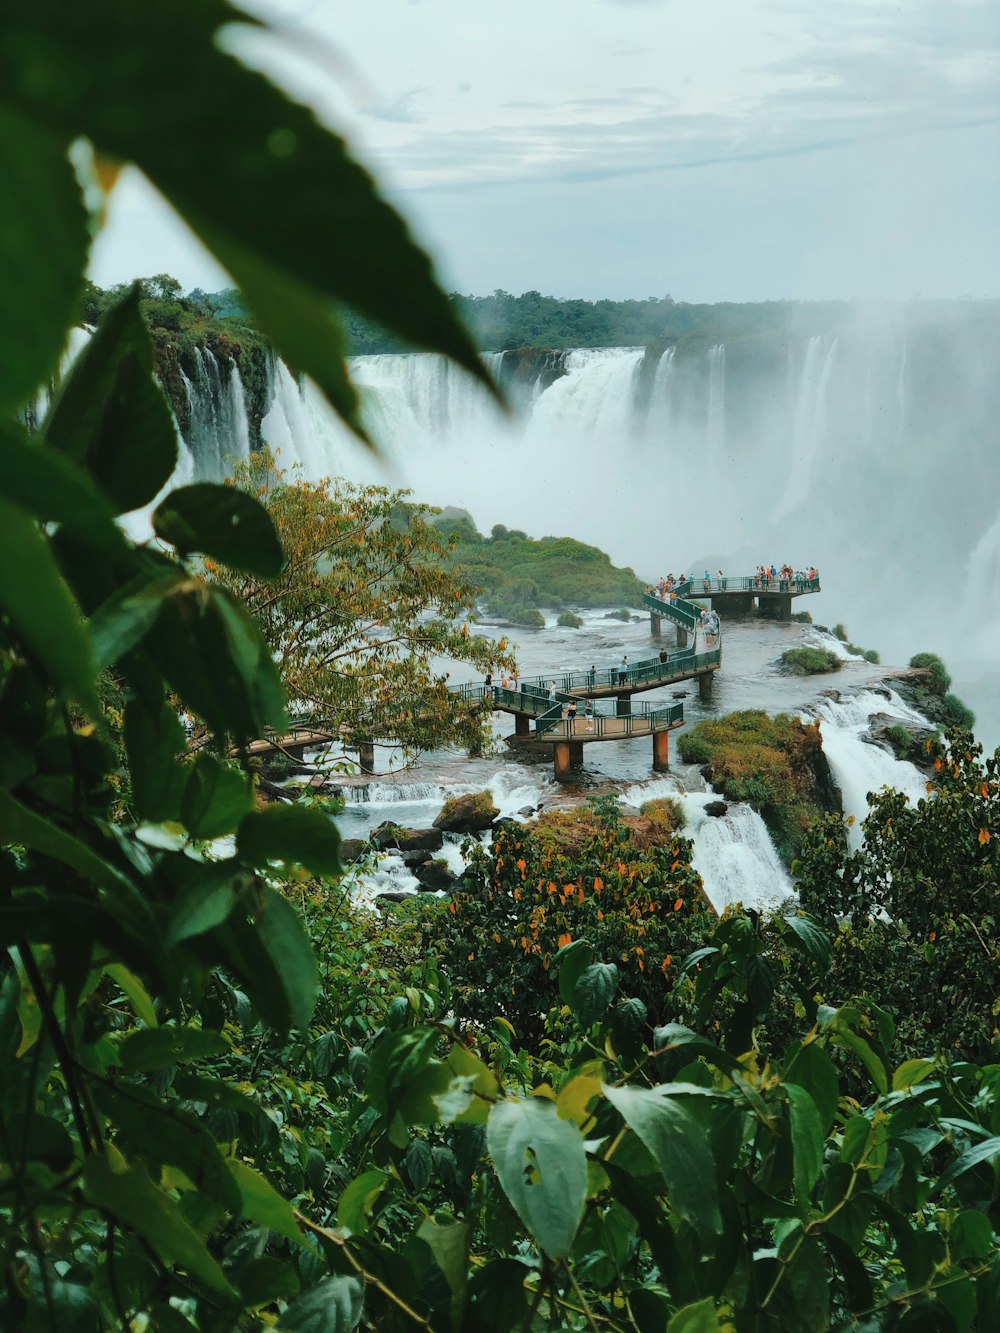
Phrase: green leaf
(358, 1199)
(139, 998)
(594, 990)
(262, 1203)
(542, 1167)
(811, 1068)
(42, 609)
(676, 1037)
(852, 1042)
(110, 415)
(808, 1139)
(127, 616)
(498, 1297)
(222, 522)
(971, 1236)
(293, 834)
(21, 826)
(275, 959)
(573, 959)
(148, 1049)
(811, 938)
(41, 214)
(154, 738)
(206, 902)
(449, 1244)
(678, 1143)
(47, 484)
(982, 1152)
(911, 1072)
(697, 1318)
(334, 1305)
(215, 799)
(150, 1129)
(398, 1060)
(126, 1191)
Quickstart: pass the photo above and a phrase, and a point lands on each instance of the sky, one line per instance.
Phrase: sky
(708, 149)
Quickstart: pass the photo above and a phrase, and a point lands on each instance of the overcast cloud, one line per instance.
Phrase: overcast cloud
(737, 149)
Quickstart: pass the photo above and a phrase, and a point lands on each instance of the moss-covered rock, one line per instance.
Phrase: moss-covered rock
(810, 661)
(467, 814)
(776, 764)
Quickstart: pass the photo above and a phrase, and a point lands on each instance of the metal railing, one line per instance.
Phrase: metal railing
(740, 583)
(644, 719)
(676, 609)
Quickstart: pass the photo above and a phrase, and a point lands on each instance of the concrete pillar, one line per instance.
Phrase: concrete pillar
(623, 705)
(522, 724)
(733, 604)
(654, 624)
(705, 686)
(661, 751)
(682, 637)
(784, 608)
(561, 760)
(366, 756)
(576, 753)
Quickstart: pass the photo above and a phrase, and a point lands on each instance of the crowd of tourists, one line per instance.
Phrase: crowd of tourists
(770, 577)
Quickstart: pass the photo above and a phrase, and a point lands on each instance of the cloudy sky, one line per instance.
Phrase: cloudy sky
(710, 149)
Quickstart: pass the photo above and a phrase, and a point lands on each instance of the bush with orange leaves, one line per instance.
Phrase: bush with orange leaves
(636, 898)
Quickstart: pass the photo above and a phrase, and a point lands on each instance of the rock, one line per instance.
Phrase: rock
(679, 694)
(526, 811)
(396, 896)
(412, 859)
(467, 814)
(352, 849)
(392, 837)
(434, 877)
(716, 809)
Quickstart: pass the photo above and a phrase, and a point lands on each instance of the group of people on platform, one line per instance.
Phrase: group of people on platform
(664, 587)
(710, 627)
(770, 577)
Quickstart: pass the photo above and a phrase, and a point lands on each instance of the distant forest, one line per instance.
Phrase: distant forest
(502, 320)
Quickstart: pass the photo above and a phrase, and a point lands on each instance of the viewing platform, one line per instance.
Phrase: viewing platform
(729, 596)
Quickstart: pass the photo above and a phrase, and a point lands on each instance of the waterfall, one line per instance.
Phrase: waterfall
(809, 419)
(716, 429)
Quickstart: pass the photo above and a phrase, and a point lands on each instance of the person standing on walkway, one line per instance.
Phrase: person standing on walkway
(571, 714)
(592, 675)
(623, 669)
(588, 712)
(552, 691)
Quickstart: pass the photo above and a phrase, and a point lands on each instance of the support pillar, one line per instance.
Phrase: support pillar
(682, 637)
(522, 724)
(784, 608)
(705, 686)
(561, 760)
(576, 754)
(366, 756)
(623, 705)
(661, 751)
(654, 624)
(733, 605)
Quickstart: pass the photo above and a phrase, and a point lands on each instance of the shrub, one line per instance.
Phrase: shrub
(568, 620)
(802, 618)
(903, 743)
(870, 655)
(623, 613)
(840, 632)
(957, 714)
(810, 661)
(941, 680)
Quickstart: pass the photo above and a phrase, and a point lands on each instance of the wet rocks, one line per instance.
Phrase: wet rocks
(389, 837)
(716, 809)
(473, 813)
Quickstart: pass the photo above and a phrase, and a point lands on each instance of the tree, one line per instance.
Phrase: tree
(366, 612)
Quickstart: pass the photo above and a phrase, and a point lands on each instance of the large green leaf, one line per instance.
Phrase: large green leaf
(262, 1203)
(110, 415)
(222, 522)
(126, 1191)
(291, 833)
(52, 487)
(334, 1305)
(594, 990)
(700, 1317)
(273, 956)
(542, 1166)
(41, 213)
(207, 899)
(149, 1049)
(41, 607)
(154, 738)
(572, 960)
(215, 798)
(811, 1068)
(283, 202)
(677, 1141)
(124, 618)
(982, 1152)
(808, 1139)
(449, 1244)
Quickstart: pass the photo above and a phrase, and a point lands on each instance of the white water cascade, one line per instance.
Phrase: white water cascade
(809, 420)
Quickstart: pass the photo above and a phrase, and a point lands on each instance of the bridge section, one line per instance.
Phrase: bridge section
(729, 595)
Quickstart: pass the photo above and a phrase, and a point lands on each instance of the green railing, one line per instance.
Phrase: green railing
(728, 583)
(688, 617)
(605, 722)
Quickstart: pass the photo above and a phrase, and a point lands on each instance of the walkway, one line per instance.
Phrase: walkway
(729, 596)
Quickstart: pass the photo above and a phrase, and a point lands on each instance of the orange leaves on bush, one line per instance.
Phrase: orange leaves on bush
(678, 904)
(564, 939)
(984, 836)
(598, 884)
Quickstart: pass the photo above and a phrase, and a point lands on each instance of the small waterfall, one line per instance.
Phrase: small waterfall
(237, 424)
(716, 426)
(660, 398)
(858, 766)
(809, 419)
